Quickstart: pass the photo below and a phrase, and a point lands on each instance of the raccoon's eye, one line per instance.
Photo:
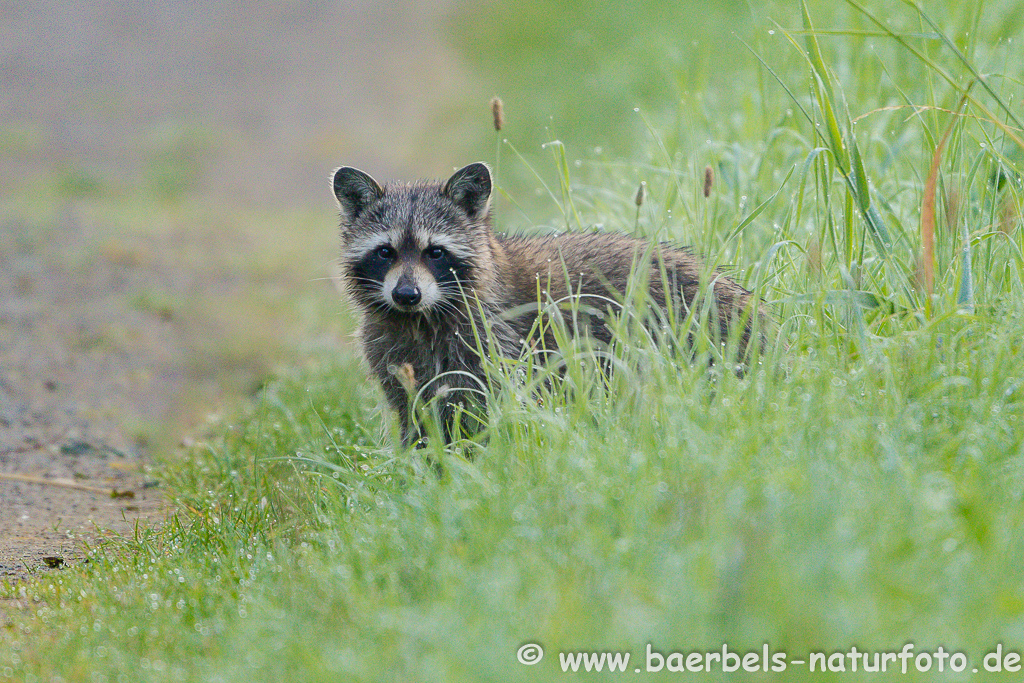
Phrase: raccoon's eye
(434, 253)
(385, 253)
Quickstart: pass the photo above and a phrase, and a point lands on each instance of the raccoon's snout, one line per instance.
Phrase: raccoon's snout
(405, 294)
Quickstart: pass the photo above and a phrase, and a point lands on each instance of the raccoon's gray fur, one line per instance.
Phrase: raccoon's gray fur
(430, 276)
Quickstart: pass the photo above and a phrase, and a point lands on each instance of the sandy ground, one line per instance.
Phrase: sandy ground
(65, 397)
(275, 95)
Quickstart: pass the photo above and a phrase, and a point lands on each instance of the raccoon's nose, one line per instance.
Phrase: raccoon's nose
(406, 295)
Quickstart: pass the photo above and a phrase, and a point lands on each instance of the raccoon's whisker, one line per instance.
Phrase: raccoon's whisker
(451, 302)
(452, 287)
(428, 315)
(450, 308)
(367, 280)
(445, 303)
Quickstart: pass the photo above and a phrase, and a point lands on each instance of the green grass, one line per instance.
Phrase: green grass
(861, 485)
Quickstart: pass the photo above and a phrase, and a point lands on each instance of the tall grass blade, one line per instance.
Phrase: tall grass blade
(978, 77)
(1010, 131)
(557, 148)
(759, 208)
(927, 261)
(965, 292)
(843, 146)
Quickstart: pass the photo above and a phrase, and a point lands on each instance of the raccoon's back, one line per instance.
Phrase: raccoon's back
(602, 262)
(599, 265)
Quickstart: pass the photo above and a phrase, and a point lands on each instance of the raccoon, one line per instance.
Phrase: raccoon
(436, 287)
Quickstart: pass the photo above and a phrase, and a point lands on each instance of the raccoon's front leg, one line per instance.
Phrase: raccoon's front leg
(459, 411)
(409, 399)
(457, 408)
(400, 400)
(455, 411)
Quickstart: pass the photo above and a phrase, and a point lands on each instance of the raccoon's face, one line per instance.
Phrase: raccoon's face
(408, 270)
(412, 249)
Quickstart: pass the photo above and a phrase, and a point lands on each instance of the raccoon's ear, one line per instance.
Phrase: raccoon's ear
(355, 191)
(470, 189)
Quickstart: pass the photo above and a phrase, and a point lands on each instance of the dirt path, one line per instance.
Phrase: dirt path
(68, 394)
(127, 309)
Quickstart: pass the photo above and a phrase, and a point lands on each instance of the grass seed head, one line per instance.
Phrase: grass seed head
(406, 377)
(498, 111)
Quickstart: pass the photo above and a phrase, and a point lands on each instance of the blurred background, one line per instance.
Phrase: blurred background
(247, 101)
(251, 102)
(166, 228)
